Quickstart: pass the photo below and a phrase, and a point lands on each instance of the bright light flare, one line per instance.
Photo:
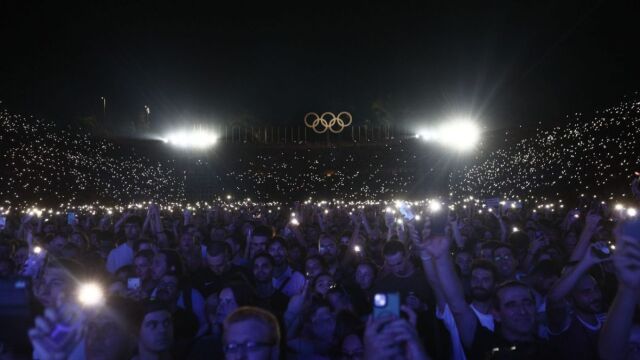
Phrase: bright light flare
(90, 294)
(435, 206)
(459, 134)
(631, 212)
(193, 139)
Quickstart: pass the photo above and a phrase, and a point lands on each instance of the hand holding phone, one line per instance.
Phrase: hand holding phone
(58, 331)
(406, 212)
(386, 304)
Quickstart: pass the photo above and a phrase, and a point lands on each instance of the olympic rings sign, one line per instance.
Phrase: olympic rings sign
(327, 121)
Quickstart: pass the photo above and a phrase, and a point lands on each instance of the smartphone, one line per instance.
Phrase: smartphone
(386, 304)
(133, 283)
(405, 210)
(71, 218)
(602, 252)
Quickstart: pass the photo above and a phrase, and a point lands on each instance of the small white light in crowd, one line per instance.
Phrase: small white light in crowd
(619, 207)
(515, 229)
(293, 214)
(228, 197)
(612, 246)
(399, 221)
(576, 215)
(37, 250)
(90, 294)
(326, 211)
(356, 248)
(295, 222)
(417, 217)
(632, 212)
(435, 206)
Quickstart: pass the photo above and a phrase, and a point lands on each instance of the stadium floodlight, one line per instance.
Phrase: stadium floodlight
(194, 139)
(459, 133)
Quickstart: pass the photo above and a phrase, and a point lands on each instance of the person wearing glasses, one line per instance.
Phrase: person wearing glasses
(251, 333)
(506, 262)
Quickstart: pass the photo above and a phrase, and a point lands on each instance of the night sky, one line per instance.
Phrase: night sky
(508, 63)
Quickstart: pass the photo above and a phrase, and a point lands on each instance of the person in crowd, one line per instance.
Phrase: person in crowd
(123, 254)
(403, 277)
(575, 309)
(505, 260)
(285, 279)
(218, 270)
(270, 297)
(314, 265)
(258, 240)
(155, 332)
(251, 333)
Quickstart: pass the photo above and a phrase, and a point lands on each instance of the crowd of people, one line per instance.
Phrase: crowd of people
(328, 281)
(586, 153)
(44, 163)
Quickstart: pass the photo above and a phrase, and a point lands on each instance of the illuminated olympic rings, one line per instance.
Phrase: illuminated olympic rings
(327, 121)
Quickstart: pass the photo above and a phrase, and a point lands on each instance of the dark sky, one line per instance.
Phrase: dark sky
(508, 62)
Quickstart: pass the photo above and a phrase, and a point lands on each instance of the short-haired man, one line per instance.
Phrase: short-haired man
(218, 271)
(513, 309)
(285, 279)
(123, 254)
(506, 262)
(251, 333)
(575, 310)
(155, 333)
(270, 297)
(258, 240)
(403, 277)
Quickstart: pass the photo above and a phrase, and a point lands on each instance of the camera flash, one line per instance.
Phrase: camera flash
(90, 294)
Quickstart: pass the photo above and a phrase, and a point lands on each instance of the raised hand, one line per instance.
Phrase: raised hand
(627, 261)
(592, 221)
(437, 246)
(58, 331)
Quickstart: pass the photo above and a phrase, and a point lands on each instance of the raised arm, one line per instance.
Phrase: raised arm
(428, 265)
(466, 320)
(614, 336)
(590, 227)
(557, 309)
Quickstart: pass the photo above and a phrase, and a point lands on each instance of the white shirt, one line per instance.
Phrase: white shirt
(119, 257)
(484, 320)
(294, 285)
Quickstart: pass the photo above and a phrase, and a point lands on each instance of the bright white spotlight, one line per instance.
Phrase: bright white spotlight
(631, 212)
(459, 134)
(90, 294)
(195, 139)
(435, 206)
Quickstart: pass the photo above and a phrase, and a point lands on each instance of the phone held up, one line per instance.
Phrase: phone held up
(386, 304)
